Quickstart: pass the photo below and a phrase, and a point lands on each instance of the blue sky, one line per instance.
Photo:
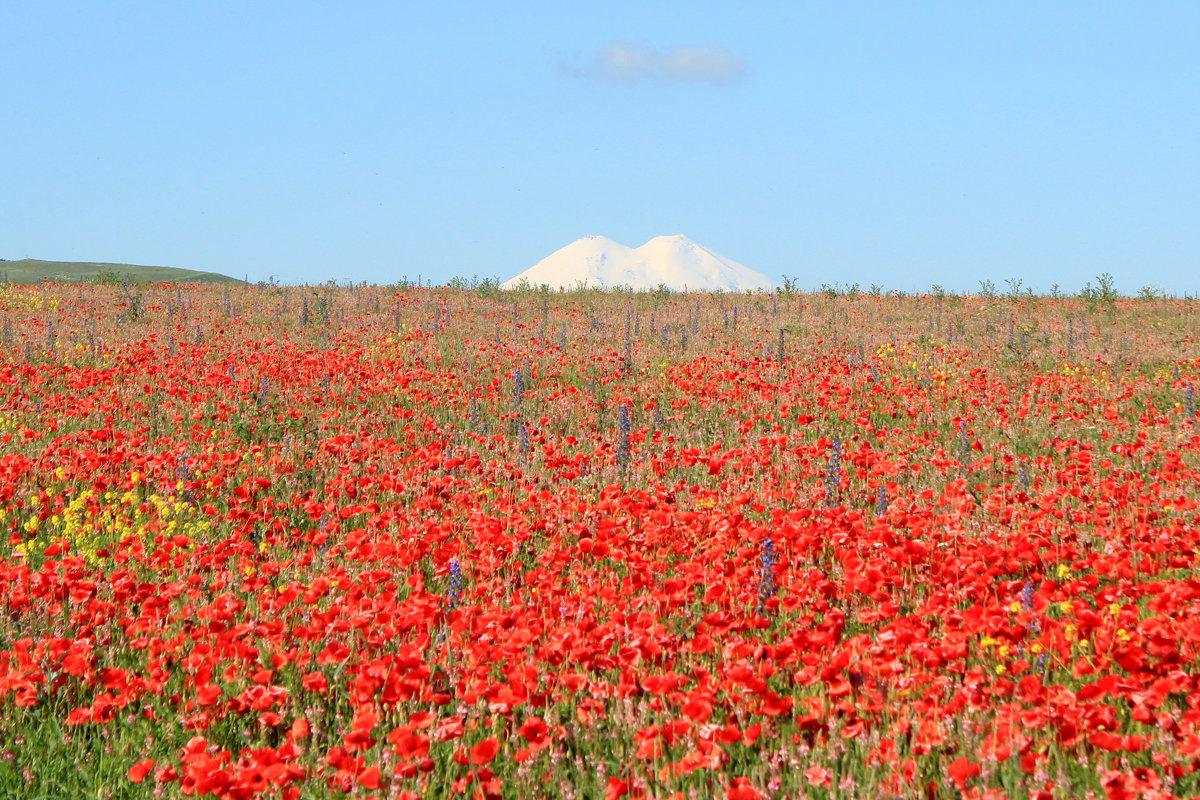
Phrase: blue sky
(902, 144)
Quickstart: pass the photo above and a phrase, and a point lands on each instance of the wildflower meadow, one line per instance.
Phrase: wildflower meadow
(397, 542)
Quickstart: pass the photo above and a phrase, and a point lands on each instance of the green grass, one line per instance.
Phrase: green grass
(32, 270)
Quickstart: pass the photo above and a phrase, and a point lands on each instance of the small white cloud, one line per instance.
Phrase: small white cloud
(705, 62)
(622, 62)
(625, 63)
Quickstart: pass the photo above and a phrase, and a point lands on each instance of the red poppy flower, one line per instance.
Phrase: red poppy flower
(962, 770)
(369, 777)
(534, 730)
(483, 752)
(139, 771)
(740, 789)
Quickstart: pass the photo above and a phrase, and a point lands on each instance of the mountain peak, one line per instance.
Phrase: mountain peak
(673, 261)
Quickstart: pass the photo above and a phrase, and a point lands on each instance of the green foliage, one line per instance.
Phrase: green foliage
(836, 290)
(133, 303)
(1104, 293)
(484, 287)
(488, 287)
(108, 277)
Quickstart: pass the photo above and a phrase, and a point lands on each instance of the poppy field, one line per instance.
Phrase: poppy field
(400, 542)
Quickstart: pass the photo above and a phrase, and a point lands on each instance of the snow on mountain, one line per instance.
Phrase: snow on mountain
(672, 261)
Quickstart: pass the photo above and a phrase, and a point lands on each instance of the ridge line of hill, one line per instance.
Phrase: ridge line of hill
(33, 270)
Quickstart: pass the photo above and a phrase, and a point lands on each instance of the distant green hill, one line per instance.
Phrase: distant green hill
(31, 270)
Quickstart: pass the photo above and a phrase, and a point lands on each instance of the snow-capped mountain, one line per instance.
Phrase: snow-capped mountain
(672, 261)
